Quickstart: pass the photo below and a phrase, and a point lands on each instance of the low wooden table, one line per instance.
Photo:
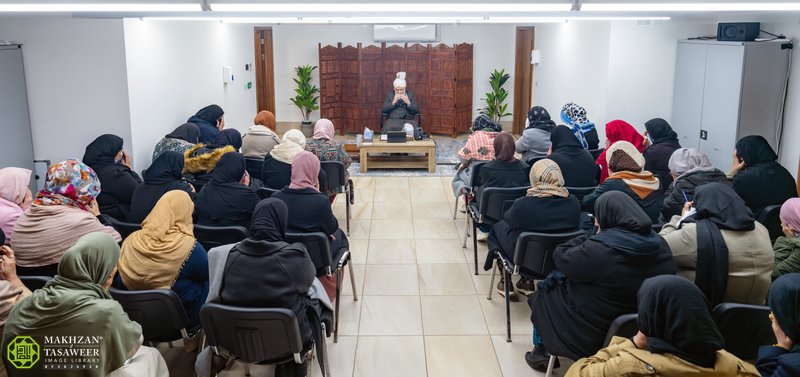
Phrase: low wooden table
(369, 161)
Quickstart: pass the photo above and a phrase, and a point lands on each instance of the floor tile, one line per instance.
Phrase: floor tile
(494, 311)
(390, 315)
(439, 251)
(358, 250)
(389, 356)
(424, 182)
(391, 182)
(391, 210)
(452, 315)
(439, 229)
(359, 210)
(349, 315)
(511, 356)
(431, 210)
(392, 252)
(358, 272)
(341, 357)
(364, 182)
(445, 279)
(429, 195)
(392, 229)
(391, 280)
(359, 229)
(392, 195)
(461, 356)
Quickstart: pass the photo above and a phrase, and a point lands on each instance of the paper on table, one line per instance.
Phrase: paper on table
(688, 213)
(384, 137)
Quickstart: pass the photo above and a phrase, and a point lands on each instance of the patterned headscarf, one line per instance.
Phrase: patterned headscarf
(70, 183)
(484, 123)
(538, 117)
(546, 180)
(574, 116)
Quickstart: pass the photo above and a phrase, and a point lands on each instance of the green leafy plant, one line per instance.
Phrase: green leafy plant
(307, 98)
(495, 100)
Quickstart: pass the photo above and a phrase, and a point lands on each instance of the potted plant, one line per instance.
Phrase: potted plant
(307, 98)
(495, 100)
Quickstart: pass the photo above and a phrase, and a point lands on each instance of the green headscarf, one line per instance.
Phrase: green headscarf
(74, 303)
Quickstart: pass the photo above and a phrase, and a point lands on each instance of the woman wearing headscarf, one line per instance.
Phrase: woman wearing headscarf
(787, 247)
(626, 165)
(113, 168)
(227, 199)
(210, 120)
(661, 142)
(62, 212)
(162, 176)
(618, 130)
(783, 358)
(504, 171)
(277, 168)
(584, 130)
(577, 165)
(721, 247)
(77, 303)
(264, 271)
(547, 207)
(326, 149)
(15, 198)
(479, 147)
(689, 168)
(260, 138)
(758, 177)
(179, 140)
(677, 337)
(200, 161)
(12, 291)
(165, 255)
(595, 281)
(535, 140)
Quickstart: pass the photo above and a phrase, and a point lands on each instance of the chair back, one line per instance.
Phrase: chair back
(596, 152)
(744, 327)
(580, 192)
(253, 166)
(158, 311)
(265, 192)
(318, 248)
(124, 229)
(534, 251)
(252, 334)
(213, 236)
(475, 173)
(770, 218)
(624, 326)
(336, 176)
(493, 200)
(35, 282)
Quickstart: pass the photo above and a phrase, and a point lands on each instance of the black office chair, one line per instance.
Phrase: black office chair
(596, 152)
(159, 312)
(253, 166)
(318, 248)
(770, 218)
(385, 116)
(35, 282)
(580, 192)
(475, 167)
(337, 182)
(489, 210)
(213, 236)
(124, 229)
(533, 257)
(256, 335)
(744, 327)
(264, 192)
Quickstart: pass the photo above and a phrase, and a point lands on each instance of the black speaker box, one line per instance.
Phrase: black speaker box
(738, 31)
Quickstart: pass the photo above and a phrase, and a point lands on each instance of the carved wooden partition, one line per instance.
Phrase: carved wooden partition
(354, 81)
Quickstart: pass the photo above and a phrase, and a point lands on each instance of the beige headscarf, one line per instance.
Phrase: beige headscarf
(152, 257)
(546, 180)
(293, 143)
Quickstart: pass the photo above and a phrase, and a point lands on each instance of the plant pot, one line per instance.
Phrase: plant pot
(307, 128)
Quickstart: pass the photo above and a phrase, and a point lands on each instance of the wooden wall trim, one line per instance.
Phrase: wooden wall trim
(523, 76)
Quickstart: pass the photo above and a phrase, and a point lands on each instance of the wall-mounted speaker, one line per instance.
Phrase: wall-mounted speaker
(738, 31)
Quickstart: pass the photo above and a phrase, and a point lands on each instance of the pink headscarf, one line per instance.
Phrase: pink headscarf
(14, 186)
(305, 171)
(323, 129)
(790, 214)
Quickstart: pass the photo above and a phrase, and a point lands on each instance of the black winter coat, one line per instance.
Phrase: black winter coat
(310, 211)
(764, 184)
(577, 167)
(208, 131)
(687, 183)
(777, 362)
(277, 175)
(656, 161)
(498, 173)
(651, 203)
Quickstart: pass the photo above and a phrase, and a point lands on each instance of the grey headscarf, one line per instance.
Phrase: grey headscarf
(689, 160)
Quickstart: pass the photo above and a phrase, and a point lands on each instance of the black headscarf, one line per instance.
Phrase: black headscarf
(2, 238)
(754, 149)
(562, 137)
(224, 200)
(186, 132)
(676, 318)
(661, 132)
(162, 176)
(226, 137)
(539, 118)
(270, 219)
(102, 151)
(482, 122)
(624, 226)
(210, 113)
(504, 147)
(718, 207)
(784, 301)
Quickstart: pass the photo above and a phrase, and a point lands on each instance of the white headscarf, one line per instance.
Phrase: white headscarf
(400, 81)
(293, 143)
(688, 160)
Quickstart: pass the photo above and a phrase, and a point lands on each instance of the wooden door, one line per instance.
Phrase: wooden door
(265, 70)
(523, 77)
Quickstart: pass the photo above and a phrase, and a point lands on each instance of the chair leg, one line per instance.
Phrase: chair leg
(352, 280)
(491, 283)
(466, 233)
(310, 360)
(325, 355)
(507, 283)
(475, 244)
(550, 365)
(336, 305)
(246, 369)
(347, 207)
(455, 208)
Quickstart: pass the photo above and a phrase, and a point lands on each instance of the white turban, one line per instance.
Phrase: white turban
(400, 81)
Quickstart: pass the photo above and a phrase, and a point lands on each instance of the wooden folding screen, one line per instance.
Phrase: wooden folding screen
(354, 81)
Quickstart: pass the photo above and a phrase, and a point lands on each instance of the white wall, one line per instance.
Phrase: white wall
(77, 86)
(175, 68)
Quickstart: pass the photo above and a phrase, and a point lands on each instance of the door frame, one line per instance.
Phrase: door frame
(265, 69)
(523, 76)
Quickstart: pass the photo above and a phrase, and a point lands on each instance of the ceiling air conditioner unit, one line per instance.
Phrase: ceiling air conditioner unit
(405, 33)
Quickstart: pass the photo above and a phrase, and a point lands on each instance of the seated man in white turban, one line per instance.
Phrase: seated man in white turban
(400, 106)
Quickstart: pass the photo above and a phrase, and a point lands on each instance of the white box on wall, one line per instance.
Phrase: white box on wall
(227, 74)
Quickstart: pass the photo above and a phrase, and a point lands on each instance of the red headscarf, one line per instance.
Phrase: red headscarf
(618, 130)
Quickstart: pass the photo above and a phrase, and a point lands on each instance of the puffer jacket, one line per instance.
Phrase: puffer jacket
(687, 183)
(787, 256)
(200, 161)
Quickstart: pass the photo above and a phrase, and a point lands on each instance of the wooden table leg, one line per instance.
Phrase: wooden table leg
(362, 159)
(431, 160)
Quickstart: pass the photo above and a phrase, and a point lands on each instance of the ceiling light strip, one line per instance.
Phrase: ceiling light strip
(129, 7)
(390, 8)
(689, 7)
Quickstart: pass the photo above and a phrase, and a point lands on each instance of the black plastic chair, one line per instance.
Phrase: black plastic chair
(596, 152)
(489, 210)
(318, 248)
(770, 218)
(34, 282)
(159, 312)
(213, 236)
(533, 257)
(256, 335)
(385, 116)
(338, 182)
(124, 229)
(744, 327)
(580, 192)
(465, 193)
(253, 166)
(264, 192)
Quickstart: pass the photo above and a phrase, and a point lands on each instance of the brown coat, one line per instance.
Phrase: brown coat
(622, 358)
